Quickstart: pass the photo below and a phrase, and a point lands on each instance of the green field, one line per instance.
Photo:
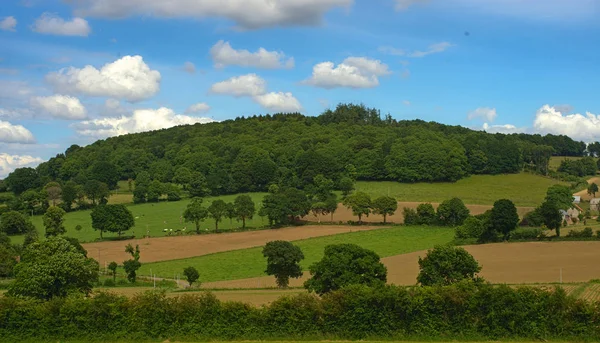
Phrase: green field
(556, 160)
(246, 263)
(151, 217)
(523, 189)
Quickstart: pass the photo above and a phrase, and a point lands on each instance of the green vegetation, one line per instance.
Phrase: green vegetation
(445, 265)
(555, 161)
(246, 263)
(523, 189)
(283, 261)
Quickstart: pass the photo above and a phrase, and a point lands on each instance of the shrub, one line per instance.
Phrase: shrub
(410, 216)
(472, 228)
(426, 214)
(585, 233)
(526, 234)
(109, 283)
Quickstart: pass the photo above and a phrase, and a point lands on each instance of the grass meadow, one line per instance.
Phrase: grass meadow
(247, 263)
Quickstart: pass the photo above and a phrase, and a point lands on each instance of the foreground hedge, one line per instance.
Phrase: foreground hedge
(464, 311)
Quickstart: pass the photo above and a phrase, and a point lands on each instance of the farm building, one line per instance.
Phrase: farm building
(569, 214)
(595, 204)
(576, 199)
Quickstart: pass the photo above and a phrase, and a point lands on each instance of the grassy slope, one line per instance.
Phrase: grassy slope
(556, 160)
(523, 189)
(246, 263)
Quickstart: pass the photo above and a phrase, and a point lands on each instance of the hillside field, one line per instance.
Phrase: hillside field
(556, 160)
(247, 263)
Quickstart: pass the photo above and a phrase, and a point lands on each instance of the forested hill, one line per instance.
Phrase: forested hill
(247, 154)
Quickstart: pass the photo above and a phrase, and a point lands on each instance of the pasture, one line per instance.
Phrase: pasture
(556, 160)
(248, 263)
(523, 189)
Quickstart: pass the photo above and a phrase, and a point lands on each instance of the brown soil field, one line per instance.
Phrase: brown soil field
(513, 263)
(344, 215)
(177, 247)
(584, 195)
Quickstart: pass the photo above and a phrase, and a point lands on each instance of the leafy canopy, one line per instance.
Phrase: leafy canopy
(445, 265)
(283, 260)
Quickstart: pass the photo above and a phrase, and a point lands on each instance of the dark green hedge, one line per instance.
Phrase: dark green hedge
(464, 311)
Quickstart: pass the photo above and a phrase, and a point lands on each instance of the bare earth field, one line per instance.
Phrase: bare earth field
(177, 247)
(513, 263)
(344, 215)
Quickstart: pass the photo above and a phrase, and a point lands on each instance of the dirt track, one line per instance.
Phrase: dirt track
(171, 248)
(534, 262)
(583, 194)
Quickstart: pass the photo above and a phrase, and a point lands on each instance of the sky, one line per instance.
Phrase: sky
(75, 71)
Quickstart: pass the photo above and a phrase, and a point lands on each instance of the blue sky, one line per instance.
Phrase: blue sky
(72, 71)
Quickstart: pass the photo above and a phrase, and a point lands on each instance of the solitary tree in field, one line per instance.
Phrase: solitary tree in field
(191, 274)
(359, 203)
(244, 208)
(504, 218)
(445, 265)
(217, 210)
(53, 220)
(112, 218)
(343, 265)
(283, 260)
(195, 212)
(592, 189)
(550, 211)
(385, 206)
(132, 265)
(113, 269)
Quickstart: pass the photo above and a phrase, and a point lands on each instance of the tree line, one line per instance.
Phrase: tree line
(249, 154)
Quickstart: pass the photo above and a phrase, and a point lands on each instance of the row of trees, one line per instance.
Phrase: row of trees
(242, 208)
(581, 167)
(451, 212)
(249, 154)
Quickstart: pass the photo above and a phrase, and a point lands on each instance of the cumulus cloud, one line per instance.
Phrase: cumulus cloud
(484, 113)
(402, 5)
(581, 127)
(8, 163)
(60, 106)
(353, 72)
(14, 89)
(245, 85)
(249, 14)
(142, 120)
(224, 55)
(8, 24)
(127, 78)
(200, 107)
(51, 24)
(189, 67)
(279, 102)
(506, 129)
(10, 133)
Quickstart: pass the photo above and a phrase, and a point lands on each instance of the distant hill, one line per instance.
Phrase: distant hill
(248, 154)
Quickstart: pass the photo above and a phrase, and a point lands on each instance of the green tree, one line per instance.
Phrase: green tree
(217, 210)
(54, 191)
(8, 256)
(133, 264)
(22, 179)
(504, 217)
(284, 205)
(112, 218)
(182, 177)
(155, 190)
(473, 227)
(346, 185)
(53, 268)
(198, 185)
(173, 192)
(14, 223)
(195, 213)
(359, 203)
(69, 195)
(445, 265)
(452, 212)
(283, 261)
(592, 189)
(550, 211)
(385, 206)
(97, 191)
(244, 208)
(54, 220)
(106, 173)
(343, 265)
(561, 196)
(426, 214)
(113, 270)
(191, 274)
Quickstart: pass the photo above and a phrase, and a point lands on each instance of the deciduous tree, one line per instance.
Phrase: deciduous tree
(195, 213)
(217, 210)
(283, 261)
(452, 212)
(504, 218)
(359, 203)
(112, 218)
(385, 206)
(244, 208)
(113, 269)
(445, 265)
(15, 223)
(133, 264)
(54, 220)
(550, 211)
(592, 189)
(191, 274)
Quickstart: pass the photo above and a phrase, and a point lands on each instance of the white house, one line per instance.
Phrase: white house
(576, 199)
(595, 204)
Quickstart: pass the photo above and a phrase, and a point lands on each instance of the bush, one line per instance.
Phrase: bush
(526, 234)
(410, 216)
(472, 228)
(109, 283)
(532, 219)
(585, 233)
(426, 214)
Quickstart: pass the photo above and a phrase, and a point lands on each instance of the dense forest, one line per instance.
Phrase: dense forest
(248, 154)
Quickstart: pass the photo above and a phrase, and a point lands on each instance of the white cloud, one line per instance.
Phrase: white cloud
(60, 106)
(390, 50)
(406, 103)
(14, 89)
(402, 5)
(142, 120)
(224, 55)
(8, 24)
(279, 102)
(8, 163)
(245, 85)
(353, 72)
(250, 14)
(433, 49)
(200, 107)
(126, 78)
(51, 24)
(189, 67)
(10, 133)
(484, 113)
(581, 127)
(506, 129)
